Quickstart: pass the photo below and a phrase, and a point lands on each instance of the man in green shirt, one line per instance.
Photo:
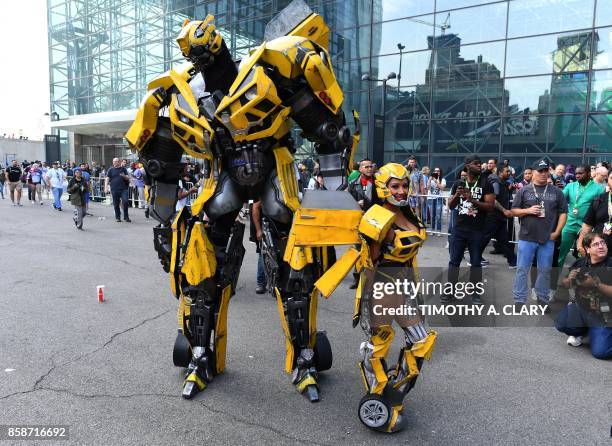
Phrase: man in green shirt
(579, 195)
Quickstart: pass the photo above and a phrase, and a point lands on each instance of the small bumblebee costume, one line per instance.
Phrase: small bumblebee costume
(381, 408)
(238, 121)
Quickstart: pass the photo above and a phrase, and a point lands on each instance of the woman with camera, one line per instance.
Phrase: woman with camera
(588, 314)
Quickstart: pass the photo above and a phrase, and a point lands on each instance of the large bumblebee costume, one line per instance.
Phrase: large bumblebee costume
(381, 408)
(238, 121)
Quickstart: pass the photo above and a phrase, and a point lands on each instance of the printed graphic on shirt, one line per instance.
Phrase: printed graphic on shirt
(468, 208)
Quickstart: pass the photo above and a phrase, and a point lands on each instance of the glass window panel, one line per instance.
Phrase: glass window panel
(442, 5)
(453, 136)
(603, 15)
(250, 10)
(481, 23)
(395, 9)
(564, 133)
(601, 91)
(555, 53)
(349, 74)
(467, 99)
(339, 14)
(413, 70)
(547, 94)
(599, 133)
(602, 58)
(529, 17)
(405, 138)
(349, 44)
(411, 33)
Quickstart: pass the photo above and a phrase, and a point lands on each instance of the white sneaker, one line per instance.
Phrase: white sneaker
(534, 296)
(551, 296)
(574, 341)
(446, 246)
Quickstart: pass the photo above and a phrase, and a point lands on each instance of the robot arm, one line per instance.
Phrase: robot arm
(317, 110)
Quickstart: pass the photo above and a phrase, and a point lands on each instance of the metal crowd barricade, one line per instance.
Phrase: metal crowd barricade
(445, 216)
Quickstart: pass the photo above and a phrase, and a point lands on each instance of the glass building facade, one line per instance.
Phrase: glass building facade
(516, 79)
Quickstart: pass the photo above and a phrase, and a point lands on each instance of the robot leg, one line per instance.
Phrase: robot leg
(205, 305)
(382, 407)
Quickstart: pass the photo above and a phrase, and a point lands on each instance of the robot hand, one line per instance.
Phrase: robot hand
(200, 42)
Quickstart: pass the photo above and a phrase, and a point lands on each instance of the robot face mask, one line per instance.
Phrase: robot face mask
(384, 176)
(199, 42)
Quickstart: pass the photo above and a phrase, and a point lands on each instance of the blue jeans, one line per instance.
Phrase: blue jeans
(120, 195)
(2, 189)
(261, 275)
(435, 213)
(574, 321)
(526, 252)
(57, 197)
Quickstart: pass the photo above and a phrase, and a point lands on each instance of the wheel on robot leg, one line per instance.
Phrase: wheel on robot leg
(181, 353)
(323, 352)
(374, 412)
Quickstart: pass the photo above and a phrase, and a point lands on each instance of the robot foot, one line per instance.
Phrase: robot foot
(193, 385)
(308, 386)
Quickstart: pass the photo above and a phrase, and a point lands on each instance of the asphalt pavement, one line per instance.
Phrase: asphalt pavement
(106, 370)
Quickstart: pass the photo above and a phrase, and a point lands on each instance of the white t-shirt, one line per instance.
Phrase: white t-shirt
(57, 177)
(180, 204)
(433, 188)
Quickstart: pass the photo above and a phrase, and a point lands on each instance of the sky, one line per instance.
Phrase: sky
(24, 72)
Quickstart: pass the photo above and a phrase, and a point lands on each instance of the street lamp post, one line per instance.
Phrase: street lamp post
(400, 47)
(381, 152)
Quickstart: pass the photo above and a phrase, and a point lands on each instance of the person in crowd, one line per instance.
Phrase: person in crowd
(588, 313)
(601, 175)
(491, 167)
(542, 209)
(56, 177)
(558, 177)
(417, 185)
(579, 195)
(186, 188)
(598, 218)
(45, 182)
(13, 175)
(363, 190)
(317, 182)
(452, 213)
(87, 178)
(362, 187)
(139, 177)
(474, 198)
(527, 176)
(35, 177)
(118, 179)
(260, 287)
(570, 174)
(354, 173)
(2, 181)
(77, 188)
(496, 223)
(425, 172)
(511, 169)
(435, 185)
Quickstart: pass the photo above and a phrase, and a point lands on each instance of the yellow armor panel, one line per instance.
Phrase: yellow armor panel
(320, 76)
(376, 222)
(326, 227)
(221, 330)
(254, 111)
(328, 282)
(199, 262)
(191, 130)
(143, 127)
(405, 245)
(313, 28)
(289, 352)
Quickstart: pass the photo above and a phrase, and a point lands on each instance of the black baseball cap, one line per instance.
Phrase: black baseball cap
(541, 165)
(471, 158)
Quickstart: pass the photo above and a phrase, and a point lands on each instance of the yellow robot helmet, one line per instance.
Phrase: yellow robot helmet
(199, 41)
(385, 174)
